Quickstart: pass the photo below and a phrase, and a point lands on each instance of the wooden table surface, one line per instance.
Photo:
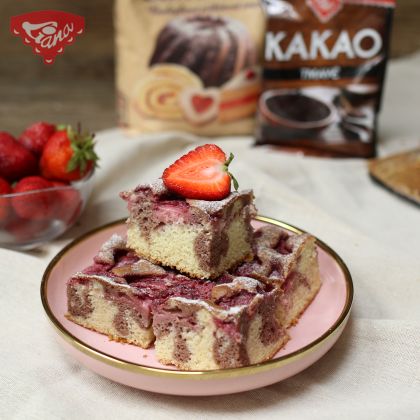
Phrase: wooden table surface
(79, 87)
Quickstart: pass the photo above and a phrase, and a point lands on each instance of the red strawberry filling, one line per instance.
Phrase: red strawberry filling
(171, 211)
(201, 103)
(239, 101)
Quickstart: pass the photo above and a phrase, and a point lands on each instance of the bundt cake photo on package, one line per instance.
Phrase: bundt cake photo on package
(323, 72)
(188, 65)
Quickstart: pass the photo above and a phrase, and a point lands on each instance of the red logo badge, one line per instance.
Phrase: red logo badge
(48, 32)
(325, 9)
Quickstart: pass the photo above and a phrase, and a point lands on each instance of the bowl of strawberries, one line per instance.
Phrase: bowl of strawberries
(46, 177)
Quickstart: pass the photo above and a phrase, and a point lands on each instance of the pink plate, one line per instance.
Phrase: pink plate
(318, 329)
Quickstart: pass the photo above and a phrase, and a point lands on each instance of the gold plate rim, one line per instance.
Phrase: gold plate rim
(210, 374)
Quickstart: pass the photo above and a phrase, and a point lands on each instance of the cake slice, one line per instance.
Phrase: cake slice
(290, 263)
(101, 298)
(237, 326)
(197, 237)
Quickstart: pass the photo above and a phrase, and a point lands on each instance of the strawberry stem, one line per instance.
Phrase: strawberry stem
(82, 145)
(225, 168)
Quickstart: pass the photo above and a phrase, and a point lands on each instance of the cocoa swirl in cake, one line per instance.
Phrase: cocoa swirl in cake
(275, 252)
(214, 48)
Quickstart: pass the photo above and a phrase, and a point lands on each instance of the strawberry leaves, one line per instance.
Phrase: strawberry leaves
(226, 169)
(82, 146)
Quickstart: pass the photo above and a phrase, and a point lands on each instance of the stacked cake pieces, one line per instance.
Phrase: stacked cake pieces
(195, 280)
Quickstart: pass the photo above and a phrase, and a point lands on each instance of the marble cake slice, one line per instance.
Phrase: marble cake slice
(290, 263)
(199, 238)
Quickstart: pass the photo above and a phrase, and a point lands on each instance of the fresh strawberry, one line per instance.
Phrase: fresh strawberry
(25, 230)
(68, 155)
(38, 205)
(35, 137)
(201, 174)
(6, 137)
(5, 188)
(69, 203)
(15, 160)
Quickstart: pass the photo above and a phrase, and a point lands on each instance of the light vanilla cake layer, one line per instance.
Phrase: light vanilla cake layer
(109, 318)
(175, 246)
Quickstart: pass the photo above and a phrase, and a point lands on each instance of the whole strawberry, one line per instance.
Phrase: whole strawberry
(201, 174)
(69, 203)
(25, 230)
(68, 155)
(35, 137)
(39, 205)
(5, 188)
(15, 160)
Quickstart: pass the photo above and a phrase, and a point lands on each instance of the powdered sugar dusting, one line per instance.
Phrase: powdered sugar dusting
(219, 312)
(247, 283)
(139, 268)
(238, 284)
(288, 251)
(212, 207)
(106, 253)
(277, 253)
(158, 187)
(109, 280)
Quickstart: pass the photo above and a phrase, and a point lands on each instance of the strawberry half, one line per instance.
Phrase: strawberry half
(201, 174)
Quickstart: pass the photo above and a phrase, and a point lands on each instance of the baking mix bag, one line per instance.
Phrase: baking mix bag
(323, 71)
(188, 65)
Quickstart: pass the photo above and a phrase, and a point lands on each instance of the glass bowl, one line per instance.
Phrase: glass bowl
(47, 213)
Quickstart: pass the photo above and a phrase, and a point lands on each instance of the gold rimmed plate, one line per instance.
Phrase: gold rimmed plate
(316, 332)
